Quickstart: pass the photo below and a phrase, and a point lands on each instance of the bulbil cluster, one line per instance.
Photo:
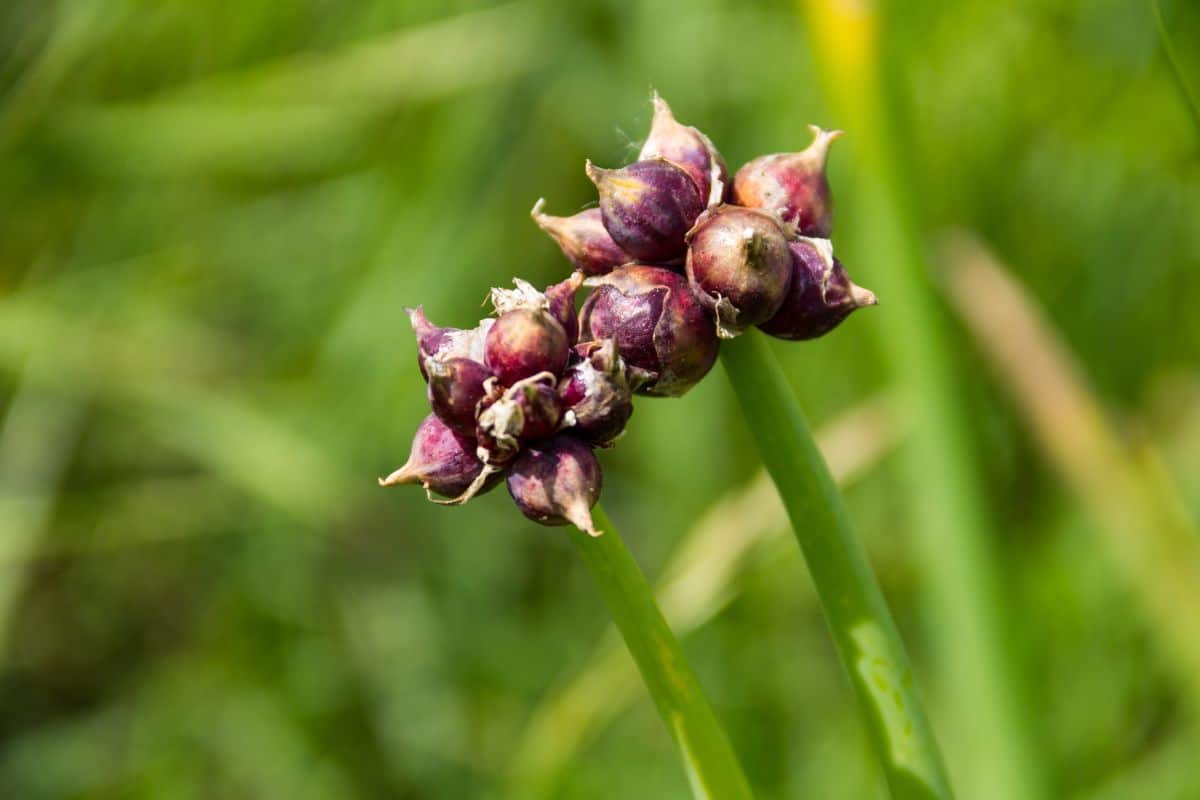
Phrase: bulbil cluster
(677, 258)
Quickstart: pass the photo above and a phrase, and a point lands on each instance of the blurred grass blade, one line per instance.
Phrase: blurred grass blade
(1168, 771)
(39, 433)
(78, 26)
(1181, 82)
(1144, 523)
(305, 112)
(138, 368)
(413, 64)
(698, 581)
(864, 633)
(991, 749)
(712, 767)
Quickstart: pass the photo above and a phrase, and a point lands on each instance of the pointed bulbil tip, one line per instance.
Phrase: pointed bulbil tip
(596, 174)
(579, 515)
(822, 139)
(572, 283)
(420, 323)
(402, 476)
(662, 110)
(550, 224)
(862, 297)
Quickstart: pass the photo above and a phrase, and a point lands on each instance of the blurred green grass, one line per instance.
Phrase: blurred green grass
(211, 215)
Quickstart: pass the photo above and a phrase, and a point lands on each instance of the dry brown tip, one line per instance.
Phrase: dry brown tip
(402, 476)
(862, 297)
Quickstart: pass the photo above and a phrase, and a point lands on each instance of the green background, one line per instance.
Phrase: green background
(211, 216)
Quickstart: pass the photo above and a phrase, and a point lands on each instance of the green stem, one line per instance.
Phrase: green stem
(712, 767)
(865, 635)
(993, 748)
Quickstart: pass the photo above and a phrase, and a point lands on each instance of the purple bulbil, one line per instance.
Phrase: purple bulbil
(442, 461)
(524, 342)
(690, 149)
(556, 482)
(456, 385)
(443, 343)
(821, 294)
(529, 409)
(791, 184)
(648, 207)
(558, 299)
(659, 327)
(583, 239)
(595, 391)
(739, 265)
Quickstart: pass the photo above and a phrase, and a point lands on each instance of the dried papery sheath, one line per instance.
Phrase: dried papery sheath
(583, 239)
(690, 149)
(556, 482)
(659, 327)
(739, 266)
(596, 393)
(648, 207)
(436, 342)
(524, 342)
(529, 409)
(456, 385)
(821, 294)
(791, 184)
(442, 461)
(558, 299)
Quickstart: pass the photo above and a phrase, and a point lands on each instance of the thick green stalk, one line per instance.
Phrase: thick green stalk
(858, 617)
(992, 752)
(712, 767)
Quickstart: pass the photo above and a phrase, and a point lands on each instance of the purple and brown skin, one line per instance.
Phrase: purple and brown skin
(441, 460)
(595, 390)
(792, 185)
(583, 239)
(530, 409)
(821, 294)
(456, 386)
(437, 342)
(739, 266)
(660, 329)
(524, 342)
(688, 148)
(560, 302)
(648, 207)
(556, 482)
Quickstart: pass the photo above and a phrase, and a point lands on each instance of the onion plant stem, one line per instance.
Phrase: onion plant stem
(867, 640)
(991, 739)
(712, 766)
